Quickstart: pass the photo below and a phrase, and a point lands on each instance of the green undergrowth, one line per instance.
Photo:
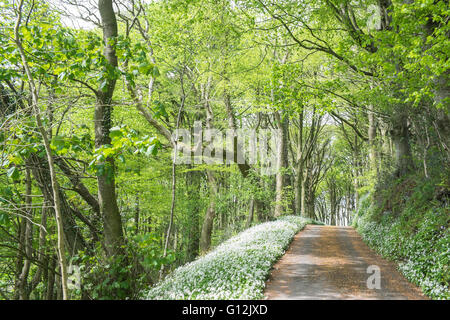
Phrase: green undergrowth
(408, 222)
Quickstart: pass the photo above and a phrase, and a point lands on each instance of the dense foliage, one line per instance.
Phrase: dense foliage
(97, 97)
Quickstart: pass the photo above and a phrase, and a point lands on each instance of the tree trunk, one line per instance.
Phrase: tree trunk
(303, 193)
(112, 224)
(400, 137)
(356, 171)
(281, 164)
(205, 238)
(251, 212)
(372, 133)
(385, 144)
(193, 187)
(332, 193)
(310, 204)
(49, 293)
(22, 287)
(48, 151)
(441, 95)
(299, 173)
(42, 272)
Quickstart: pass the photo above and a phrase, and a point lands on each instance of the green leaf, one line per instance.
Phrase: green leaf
(155, 72)
(146, 68)
(4, 218)
(115, 132)
(58, 142)
(160, 109)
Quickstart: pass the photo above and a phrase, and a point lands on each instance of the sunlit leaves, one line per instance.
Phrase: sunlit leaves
(123, 140)
(74, 143)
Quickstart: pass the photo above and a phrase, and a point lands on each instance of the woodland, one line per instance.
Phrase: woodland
(94, 205)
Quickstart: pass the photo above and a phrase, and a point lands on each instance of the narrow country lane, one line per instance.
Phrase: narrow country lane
(325, 262)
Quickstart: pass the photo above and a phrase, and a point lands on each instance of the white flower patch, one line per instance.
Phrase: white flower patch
(236, 269)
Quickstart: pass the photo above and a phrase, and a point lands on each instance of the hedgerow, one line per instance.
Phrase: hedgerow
(236, 269)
